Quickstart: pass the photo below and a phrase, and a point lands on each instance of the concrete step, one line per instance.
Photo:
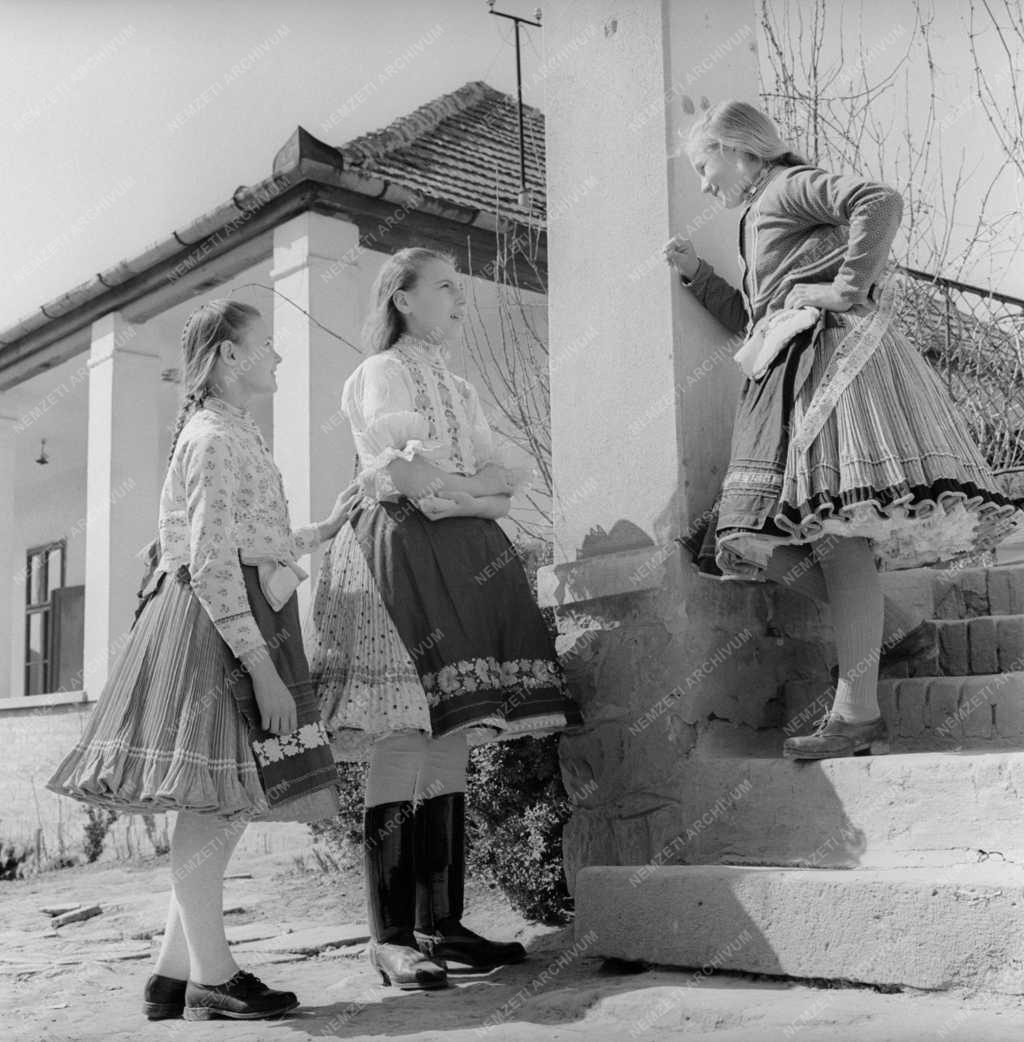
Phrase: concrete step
(963, 647)
(931, 929)
(903, 810)
(929, 712)
(958, 593)
(978, 712)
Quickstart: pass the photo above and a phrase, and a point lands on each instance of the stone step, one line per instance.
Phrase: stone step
(898, 811)
(929, 712)
(962, 647)
(958, 593)
(930, 929)
(976, 712)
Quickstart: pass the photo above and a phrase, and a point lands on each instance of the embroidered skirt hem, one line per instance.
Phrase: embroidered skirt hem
(167, 732)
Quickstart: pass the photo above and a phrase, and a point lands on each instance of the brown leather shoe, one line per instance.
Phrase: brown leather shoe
(406, 967)
(835, 737)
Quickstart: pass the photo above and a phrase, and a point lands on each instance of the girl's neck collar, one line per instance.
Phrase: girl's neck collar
(225, 408)
(433, 352)
(758, 185)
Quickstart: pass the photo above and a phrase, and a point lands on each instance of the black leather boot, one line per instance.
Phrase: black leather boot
(388, 853)
(440, 889)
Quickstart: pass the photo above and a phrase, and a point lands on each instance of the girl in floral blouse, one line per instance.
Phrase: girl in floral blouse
(846, 449)
(424, 636)
(214, 660)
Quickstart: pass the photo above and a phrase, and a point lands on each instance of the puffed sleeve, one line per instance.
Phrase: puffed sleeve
(870, 210)
(305, 539)
(492, 447)
(723, 300)
(210, 476)
(378, 401)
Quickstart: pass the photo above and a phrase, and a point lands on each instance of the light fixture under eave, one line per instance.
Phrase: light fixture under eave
(42, 457)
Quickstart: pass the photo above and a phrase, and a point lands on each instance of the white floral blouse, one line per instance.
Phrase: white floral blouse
(223, 494)
(405, 402)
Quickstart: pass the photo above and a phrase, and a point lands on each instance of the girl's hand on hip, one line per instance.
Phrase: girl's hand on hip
(822, 295)
(681, 254)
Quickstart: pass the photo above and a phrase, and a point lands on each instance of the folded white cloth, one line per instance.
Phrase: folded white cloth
(770, 336)
(278, 579)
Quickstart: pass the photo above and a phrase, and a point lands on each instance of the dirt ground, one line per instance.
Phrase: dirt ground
(303, 929)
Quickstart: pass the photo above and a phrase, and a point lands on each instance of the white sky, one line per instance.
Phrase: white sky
(107, 134)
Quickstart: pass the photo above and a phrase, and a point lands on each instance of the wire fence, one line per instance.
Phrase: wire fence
(975, 340)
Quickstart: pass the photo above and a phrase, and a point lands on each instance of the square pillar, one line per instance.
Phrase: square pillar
(122, 487)
(12, 587)
(669, 668)
(316, 266)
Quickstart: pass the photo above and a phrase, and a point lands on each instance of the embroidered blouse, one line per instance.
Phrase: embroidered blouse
(223, 494)
(406, 402)
(804, 225)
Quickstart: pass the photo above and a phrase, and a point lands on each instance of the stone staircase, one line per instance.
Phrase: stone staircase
(900, 871)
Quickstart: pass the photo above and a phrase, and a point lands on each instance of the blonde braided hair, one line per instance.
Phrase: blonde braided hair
(204, 329)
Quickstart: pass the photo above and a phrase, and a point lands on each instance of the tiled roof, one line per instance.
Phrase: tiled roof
(462, 148)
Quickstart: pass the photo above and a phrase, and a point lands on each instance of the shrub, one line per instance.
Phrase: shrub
(517, 808)
(12, 859)
(96, 829)
(343, 835)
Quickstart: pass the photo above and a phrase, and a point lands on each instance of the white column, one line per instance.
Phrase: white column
(122, 487)
(316, 266)
(12, 590)
(652, 430)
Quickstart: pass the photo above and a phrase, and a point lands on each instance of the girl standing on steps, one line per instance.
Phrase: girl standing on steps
(424, 636)
(214, 660)
(846, 448)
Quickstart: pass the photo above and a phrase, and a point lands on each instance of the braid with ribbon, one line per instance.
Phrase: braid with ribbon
(204, 329)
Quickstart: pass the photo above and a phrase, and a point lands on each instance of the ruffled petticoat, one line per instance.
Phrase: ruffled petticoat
(894, 462)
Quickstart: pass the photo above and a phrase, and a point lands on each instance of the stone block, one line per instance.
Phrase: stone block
(1010, 710)
(1006, 590)
(941, 713)
(977, 697)
(973, 583)
(1010, 642)
(954, 655)
(929, 929)
(949, 600)
(910, 695)
(983, 652)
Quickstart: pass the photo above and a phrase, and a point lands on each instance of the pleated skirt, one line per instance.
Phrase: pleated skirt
(173, 727)
(895, 463)
(429, 626)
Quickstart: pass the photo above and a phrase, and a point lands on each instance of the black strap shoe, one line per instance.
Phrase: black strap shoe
(163, 997)
(440, 889)
(242, 997)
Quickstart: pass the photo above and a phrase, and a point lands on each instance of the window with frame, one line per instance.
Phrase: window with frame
(44, 573)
